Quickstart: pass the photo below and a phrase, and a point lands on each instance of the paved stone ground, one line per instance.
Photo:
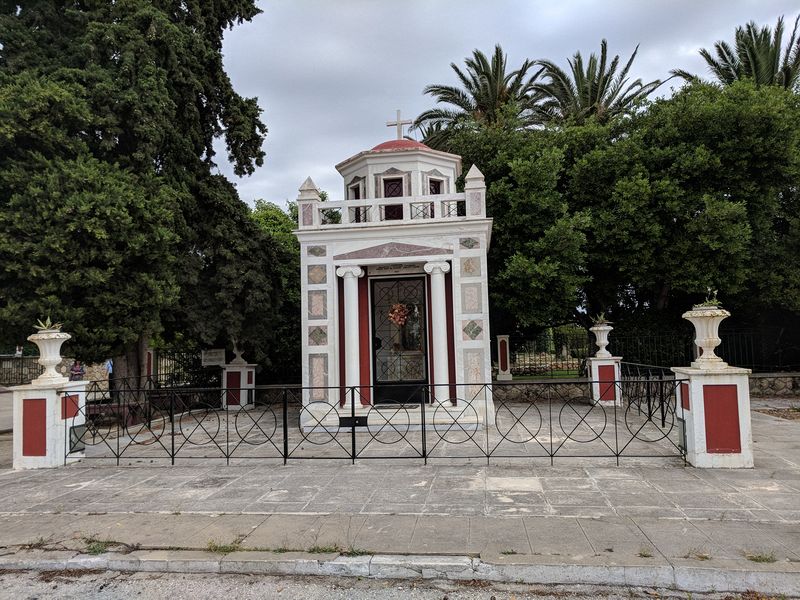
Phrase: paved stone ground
(575, 513)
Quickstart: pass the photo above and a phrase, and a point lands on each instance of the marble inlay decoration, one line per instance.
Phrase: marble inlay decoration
(473, 365)
(316, 251)
(318, 304)
(308, 215)
(471, 266)
(318, 376)
(471, 298)
(318, 335)
(469, 243)
(473, 330)
(392, 250)
(317, 274)
(474, 203)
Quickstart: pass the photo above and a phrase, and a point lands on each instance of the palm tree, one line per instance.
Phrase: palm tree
(756, 55)
(488, 90)
(595, 89)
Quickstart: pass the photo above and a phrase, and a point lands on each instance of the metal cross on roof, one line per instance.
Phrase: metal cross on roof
(399, 123)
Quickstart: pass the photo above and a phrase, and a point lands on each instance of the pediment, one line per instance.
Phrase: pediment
(392, 250)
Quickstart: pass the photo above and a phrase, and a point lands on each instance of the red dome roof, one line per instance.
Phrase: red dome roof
(400, 145)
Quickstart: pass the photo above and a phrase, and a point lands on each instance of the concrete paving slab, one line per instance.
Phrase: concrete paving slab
(387, 536)
(558, 536)
(434, 533)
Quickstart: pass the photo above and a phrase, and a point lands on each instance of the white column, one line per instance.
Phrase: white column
(438, 308)
(351, 357)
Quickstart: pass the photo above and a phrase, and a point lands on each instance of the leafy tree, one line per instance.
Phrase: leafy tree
(487, 86)
(757, 54)
(696, 192)
(598, 89)
(147, 96)
(284, 353)
(537, 252)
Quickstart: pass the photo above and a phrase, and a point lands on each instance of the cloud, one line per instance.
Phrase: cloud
(328, 75)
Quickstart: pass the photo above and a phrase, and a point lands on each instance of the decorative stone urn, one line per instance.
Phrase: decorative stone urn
(601, 331)
(706, 320)
(238, 359)
(49, 342)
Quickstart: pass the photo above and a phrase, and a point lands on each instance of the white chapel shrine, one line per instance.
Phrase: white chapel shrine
(394, 285)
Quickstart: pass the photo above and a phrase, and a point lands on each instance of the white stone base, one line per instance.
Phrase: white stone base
(700, 426)
(54, 429)
(602, 386)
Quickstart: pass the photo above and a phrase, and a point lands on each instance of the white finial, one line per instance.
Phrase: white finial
(399, 124)
(309, 190)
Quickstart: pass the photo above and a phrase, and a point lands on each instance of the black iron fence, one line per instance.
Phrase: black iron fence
(539, 421)
(182, 367)
(556, 353)
(552, 353)
(19, 370)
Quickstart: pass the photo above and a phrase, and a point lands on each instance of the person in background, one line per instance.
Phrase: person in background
(18, 351)
(109, 365)
(77, 371)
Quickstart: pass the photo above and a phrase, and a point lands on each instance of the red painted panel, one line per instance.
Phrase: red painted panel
(451, 336)
(503, 355)
(34, 427)
(249, 378)
(721, 405)
(685, 396)
(608, 387)
(364, 344)
(69, 406)
(342, 392)
(233, 381)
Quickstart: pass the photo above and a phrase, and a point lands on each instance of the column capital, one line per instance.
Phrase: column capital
(350, 271)
(437, 266)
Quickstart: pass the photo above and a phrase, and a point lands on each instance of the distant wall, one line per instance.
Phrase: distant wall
(767, 385)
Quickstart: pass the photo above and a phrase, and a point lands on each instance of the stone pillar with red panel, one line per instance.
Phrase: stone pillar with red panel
(45, 410)
(238, 382)
(715, 399)
(605, 371)
(503, 359)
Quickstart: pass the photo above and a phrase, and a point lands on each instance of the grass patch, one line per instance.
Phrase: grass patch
(645, 553)
(223, 548)
(95, 546)
(351, 551)
(324, 549)
(697, 555)
(761, 558)
(508, 552)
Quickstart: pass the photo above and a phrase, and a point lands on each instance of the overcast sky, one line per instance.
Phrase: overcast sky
(328, 75)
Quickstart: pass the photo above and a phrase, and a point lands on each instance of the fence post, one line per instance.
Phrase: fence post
(353, 424)
(40, 438)
(715, 399)
(285, 425)
(604, 369)
(503, 359)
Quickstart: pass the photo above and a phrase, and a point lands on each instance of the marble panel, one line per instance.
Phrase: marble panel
(318, 376)
(318, 304)
(471, 298)
(471, 266)
(317, 274)
(318, 335)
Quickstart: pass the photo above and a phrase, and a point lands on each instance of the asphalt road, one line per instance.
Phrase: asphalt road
(110, 585)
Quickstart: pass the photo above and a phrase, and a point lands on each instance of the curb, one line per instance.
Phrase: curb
(784, 579)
